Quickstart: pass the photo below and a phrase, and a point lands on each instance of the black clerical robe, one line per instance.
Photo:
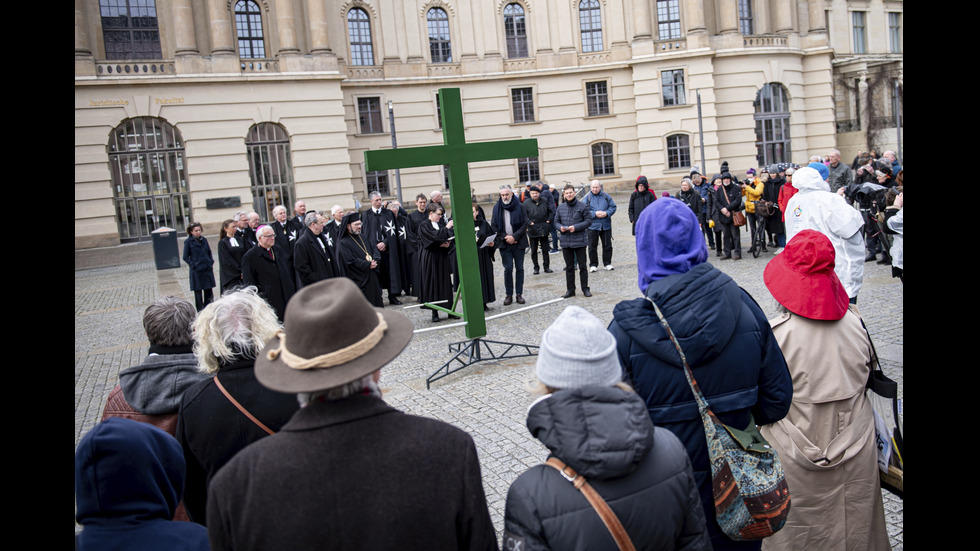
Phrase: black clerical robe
(355, 262)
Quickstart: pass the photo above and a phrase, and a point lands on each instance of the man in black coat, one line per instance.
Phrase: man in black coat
(266, 266)
(379, 231)
(312, 259)
(348, 471)
(357, 261)
(539, 212)
(298, 222)
(510, 225)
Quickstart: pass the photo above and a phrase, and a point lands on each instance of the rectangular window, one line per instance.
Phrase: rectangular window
(527, 169)
(377, 180)
(678, 151)
(597, 98)
(668, 19)
(602, 159)
(860, 37)
(129, 29)
(369, 115)
(745, 16)
(673, 87)
(590, 23)
(522, 101)
(895, 32)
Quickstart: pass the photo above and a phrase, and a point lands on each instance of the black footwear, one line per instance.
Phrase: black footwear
(394, 301)
(885, 261)
(435, 316)
(751, 250)
(486, 308)
(520, 299)
(586, 292)
(569, 294)
(718, 253)
(870, 257)
(536, 272)
(508, 300)
(549, 271)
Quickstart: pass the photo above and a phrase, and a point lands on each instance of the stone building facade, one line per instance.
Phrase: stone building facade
(196, 109)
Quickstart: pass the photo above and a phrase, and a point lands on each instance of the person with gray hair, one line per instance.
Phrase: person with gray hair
(151, 391)
(380, 232)
(841, 175)
(268, 268)
(347, 471)
(313, 260)
(229, 410)
(641, 471)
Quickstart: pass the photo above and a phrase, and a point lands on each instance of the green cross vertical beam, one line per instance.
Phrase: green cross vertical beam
(456, 153)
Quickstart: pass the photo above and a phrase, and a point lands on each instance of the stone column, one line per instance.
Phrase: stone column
(728, 16)
(694, 15)
(286, 24)
(219, 22)
(642, 22)
(783, 17)
(184, 36)
(319, 37)
(818, 23)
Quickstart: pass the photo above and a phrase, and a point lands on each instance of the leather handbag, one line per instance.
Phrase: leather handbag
(738, 218)
(750, 491)
(607, 515)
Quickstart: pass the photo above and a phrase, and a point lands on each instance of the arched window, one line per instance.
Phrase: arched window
(439, 42)
(129, 29)
(270, 167)
(359, 34)
(149, 180)
(678, 151)
(772, 140)
(590, 22)
(603, 161)
(248, 22)
(515, 31)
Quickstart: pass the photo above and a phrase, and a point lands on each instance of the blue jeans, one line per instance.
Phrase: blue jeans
(512, 256)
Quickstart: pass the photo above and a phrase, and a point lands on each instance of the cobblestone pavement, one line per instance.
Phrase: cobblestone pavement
(488, 399)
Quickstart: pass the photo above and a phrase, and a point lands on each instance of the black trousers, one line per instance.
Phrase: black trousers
(543, 243)
(595, 236)
(733, 241)
(571, 256)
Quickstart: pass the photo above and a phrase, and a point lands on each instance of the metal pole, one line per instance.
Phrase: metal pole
(898, 122)
(394, 145)
(701, 134)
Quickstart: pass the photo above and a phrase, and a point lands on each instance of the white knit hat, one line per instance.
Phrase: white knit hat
(577, 350)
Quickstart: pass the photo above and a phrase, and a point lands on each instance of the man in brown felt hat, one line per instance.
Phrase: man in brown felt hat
(348, 471)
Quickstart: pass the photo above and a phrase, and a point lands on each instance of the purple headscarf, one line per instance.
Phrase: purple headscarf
(668, 241)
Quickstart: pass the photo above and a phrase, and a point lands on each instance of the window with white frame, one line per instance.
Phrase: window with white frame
(590, 24)
(672, 87)
(359, 35)
(668, 19)
(522, 104)
(603, 162)
(859, 25)
(515, 31)
(369, 115)
(439, 42)
(895, 32)
(597, 98)
(678, 151)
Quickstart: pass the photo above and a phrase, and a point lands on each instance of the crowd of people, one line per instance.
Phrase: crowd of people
(256, 420)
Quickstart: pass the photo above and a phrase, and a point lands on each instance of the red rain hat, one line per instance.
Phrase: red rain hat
(802, 278)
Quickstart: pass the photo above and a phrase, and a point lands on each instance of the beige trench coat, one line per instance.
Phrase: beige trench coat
(826, 443)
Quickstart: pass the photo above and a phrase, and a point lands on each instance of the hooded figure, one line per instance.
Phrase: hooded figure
(826, 443)
(600, 430)
(814, 207)
(129, 477)
(357, 260)
(723, 332)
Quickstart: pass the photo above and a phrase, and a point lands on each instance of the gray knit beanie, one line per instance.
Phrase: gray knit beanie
(577, 350)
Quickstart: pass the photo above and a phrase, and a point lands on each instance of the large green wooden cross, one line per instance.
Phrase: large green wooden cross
(456, 153)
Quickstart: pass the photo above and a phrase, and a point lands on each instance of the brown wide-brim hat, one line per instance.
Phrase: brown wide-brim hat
(331, 336)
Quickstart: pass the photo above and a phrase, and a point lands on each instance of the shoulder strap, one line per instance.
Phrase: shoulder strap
(240, 407)
(702, 403)
(607, 515)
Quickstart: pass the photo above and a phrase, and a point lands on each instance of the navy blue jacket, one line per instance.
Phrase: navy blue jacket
(730, 347)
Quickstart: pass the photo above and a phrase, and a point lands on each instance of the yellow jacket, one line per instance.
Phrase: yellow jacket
(753, 194)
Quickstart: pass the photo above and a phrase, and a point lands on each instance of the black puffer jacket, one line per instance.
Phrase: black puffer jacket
(642, 472)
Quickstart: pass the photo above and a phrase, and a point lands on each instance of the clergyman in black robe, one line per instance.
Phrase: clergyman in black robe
(434, 250)
(356, 260)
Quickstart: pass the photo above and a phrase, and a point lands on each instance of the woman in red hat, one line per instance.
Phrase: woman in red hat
(826, 442)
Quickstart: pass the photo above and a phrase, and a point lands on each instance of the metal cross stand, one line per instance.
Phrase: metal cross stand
(457, 154)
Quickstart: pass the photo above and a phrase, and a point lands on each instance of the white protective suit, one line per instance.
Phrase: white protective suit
(814, 207)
